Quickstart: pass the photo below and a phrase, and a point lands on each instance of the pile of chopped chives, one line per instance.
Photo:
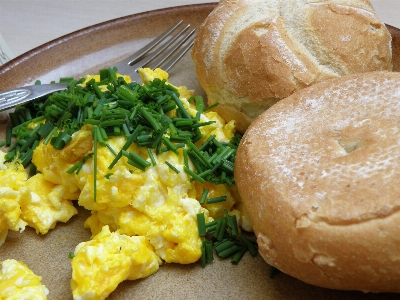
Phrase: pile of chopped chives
(139, 112)
(223, 237)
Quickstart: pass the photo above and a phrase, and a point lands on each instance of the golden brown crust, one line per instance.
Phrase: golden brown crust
(257, 51)
(319, 175)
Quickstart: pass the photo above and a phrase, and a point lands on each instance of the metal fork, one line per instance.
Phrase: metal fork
(168, 52)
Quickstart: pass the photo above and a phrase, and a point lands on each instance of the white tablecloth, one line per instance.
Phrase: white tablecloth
(26, 24)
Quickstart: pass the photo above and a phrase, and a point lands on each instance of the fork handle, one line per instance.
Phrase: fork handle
(14, 97)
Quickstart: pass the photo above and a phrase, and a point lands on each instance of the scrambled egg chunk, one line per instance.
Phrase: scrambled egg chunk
(18, 282)
(11, 175)
(35, 202)
(109, 258)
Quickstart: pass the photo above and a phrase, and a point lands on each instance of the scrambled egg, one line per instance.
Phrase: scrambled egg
(17, 282)
(109, 258)
(139, 219)
(35, 202)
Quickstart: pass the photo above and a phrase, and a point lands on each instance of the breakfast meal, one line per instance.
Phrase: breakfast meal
(251, 54)
(150, 161)
(294, 154)
(318, 173)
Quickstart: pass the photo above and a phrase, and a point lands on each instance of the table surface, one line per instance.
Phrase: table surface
(26, 24)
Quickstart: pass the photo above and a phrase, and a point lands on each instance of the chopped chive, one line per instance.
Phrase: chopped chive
(252, 249)
(111, 123)
(111, 149)
(2, 143)
(221, 230)
(209, 251)
(180, 106)
(223, 245)
(203, 196)
(26, 158)
(228, 252)
(135, 164)
(184, 123)
(10, 155)
(211, 106)
(193, 174)
(185, 158)
(169, 145)
(233, 225)
(136, 158)
(129, 141)
(50, 135)
(75, 168)
(95, 133)
(238, 256)
(172, 167)
(216, 199)
(201, 223)
(198, 152)
(45, 129)
(199, 104)
(153, 123)
(212, 223)
(8, 136)
(153, 160)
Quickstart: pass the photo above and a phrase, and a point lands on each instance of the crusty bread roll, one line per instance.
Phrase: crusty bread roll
(319, 175)
(249, 54)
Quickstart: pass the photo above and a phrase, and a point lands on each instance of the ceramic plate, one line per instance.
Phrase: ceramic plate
(84, 52)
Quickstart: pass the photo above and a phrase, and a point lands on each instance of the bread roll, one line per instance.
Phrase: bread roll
(319, 175)
(249, 54)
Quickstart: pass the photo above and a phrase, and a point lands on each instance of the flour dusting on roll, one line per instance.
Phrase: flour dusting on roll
(319, 175)
(249, 54)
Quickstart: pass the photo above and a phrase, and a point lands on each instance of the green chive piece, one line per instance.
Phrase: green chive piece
(201, 223)
(216, 199)
(204, 196)
(180, 106)
(111, 149)
(8, 136)
(221, 230)
(250, 246)
(172, 167)
(153, 160)
(228, 252)
(223, 245)
(203, 258)
(169, 145)
(238, 256)
(211, 106)
(185, 158)
(95, 133)
(209, 251)
(136, 158)
(193, 174)
(233, 225)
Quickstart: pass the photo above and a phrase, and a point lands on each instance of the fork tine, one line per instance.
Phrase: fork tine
(165, 56)
(179, 55)
(133, 58)
(157, 52)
